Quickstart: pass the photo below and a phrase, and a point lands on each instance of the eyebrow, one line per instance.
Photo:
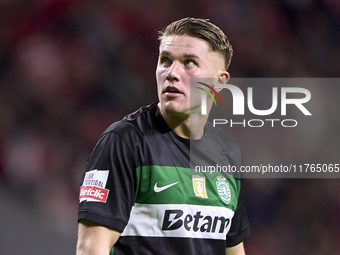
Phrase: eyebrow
(167, 53)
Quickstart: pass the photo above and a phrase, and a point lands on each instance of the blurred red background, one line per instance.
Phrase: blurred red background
(68, 69)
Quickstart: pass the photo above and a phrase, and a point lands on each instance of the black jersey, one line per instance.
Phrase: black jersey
(140, 180)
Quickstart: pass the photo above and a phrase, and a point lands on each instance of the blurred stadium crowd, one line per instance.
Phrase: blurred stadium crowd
(69, 68)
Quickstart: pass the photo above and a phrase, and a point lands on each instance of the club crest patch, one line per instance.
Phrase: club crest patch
(198, 183)
(223, 190)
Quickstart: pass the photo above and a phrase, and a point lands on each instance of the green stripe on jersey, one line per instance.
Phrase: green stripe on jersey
(174, 185)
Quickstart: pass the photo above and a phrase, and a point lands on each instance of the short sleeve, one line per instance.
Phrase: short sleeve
(240, 228)
(108, 186)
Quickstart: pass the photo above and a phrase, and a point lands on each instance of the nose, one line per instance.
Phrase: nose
(173, 72)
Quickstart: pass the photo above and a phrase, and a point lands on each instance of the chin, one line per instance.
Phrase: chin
(175, 110)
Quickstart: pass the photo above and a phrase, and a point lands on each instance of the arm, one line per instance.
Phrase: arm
(236, 250)
(94, 239)
(106, 162)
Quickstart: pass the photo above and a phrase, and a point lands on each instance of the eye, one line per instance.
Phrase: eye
(165, 61)
(189, 63)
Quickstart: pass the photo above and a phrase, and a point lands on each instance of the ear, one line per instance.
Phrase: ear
(223, 78)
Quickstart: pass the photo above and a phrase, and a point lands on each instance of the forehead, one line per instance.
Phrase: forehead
(183, 43)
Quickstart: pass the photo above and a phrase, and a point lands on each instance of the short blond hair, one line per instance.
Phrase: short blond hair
(202, 29)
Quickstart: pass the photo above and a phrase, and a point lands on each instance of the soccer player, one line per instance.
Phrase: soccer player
(139, 194)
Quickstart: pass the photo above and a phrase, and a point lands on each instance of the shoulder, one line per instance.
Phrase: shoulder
(222, 138)
(142, 123)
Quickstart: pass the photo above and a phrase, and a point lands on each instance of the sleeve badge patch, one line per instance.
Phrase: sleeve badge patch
(93, 187)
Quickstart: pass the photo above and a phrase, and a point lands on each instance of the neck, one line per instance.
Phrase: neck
(189, 126)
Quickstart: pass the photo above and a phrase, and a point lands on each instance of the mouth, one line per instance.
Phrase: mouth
(172, 91)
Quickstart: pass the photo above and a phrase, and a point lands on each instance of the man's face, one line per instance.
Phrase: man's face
(183, 57)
